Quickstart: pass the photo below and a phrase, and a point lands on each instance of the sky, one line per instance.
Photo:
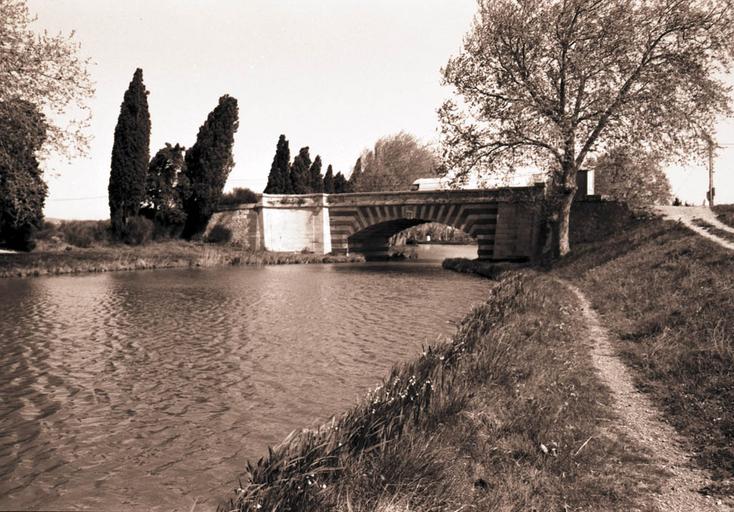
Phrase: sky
(334, 75)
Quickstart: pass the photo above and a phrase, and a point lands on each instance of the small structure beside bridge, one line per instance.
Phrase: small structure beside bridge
(505, 222)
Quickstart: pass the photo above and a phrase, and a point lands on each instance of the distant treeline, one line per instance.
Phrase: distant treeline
(393, 164)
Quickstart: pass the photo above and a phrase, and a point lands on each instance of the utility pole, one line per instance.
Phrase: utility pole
(712, 190)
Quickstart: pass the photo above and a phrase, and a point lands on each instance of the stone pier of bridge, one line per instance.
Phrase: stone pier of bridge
(505, 222)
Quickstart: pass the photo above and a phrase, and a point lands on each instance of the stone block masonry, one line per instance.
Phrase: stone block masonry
(504, 221)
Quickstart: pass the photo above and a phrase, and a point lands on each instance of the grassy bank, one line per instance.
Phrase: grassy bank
(169, 254)
(508, 416)
(669, 296)
(725, 213)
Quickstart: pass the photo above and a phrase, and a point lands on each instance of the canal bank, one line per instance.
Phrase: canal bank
(172, 254)
(517, 412)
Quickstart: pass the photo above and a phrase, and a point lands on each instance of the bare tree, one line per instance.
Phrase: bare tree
(552, 81)
(394, 163)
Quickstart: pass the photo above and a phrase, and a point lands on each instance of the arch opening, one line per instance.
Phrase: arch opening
(386, 240)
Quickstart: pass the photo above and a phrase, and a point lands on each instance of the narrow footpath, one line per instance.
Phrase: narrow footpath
(641, 422)
(688, 214)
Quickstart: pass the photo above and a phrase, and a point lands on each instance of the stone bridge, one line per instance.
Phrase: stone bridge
(505, 222)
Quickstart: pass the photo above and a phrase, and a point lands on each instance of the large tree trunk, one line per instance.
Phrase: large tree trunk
(563, 216)
(560, 200)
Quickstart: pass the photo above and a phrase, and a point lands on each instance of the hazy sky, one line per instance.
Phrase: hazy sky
(334, 75)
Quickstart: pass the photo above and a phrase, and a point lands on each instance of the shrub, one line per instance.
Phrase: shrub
(137, 231)
(238, 196)
(84, 233)
(219, 235)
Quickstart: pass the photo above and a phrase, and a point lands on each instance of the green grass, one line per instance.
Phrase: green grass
(508, 416)
(669, 296)
(725, 213)
(169, 254)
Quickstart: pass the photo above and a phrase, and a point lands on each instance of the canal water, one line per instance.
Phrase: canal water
(149, 390)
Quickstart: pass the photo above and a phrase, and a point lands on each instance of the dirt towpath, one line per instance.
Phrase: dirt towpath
(641, 422)
(687, 214)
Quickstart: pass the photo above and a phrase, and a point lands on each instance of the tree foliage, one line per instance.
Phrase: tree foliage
(299, 172)
(130, 155)
(341, 185)
(553, 81)
(329, 180)
(634, 177)
(394, 163)
(316, 180)
(208, 164)
(166, 186)
(279, 179)
(22, 189)
(46, 71)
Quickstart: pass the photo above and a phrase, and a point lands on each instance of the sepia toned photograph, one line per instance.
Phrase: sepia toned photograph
(367, 256)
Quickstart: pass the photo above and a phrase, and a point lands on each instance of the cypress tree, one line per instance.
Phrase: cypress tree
(208, 164)
(329, 180)
(316, 180)
(279, 179)
(130, 155)
(299, 172)
(340, 184)
(355, 177)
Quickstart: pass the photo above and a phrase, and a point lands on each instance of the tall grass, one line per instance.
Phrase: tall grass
(498, 419)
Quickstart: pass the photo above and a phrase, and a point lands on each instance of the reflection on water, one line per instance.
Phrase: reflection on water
(148, 390)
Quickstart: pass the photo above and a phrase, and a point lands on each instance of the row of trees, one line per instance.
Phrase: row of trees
(393, 164)
(177, 189)
(302, 176)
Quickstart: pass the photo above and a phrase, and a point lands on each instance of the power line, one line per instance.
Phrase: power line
(78, 198)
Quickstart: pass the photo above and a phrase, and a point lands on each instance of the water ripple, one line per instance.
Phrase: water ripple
(147, 390)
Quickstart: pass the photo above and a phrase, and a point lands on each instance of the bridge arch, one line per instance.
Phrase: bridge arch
(367, 228)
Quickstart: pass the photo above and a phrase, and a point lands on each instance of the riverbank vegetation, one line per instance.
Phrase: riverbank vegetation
(507, 416)
(669, 295)
(169, 254)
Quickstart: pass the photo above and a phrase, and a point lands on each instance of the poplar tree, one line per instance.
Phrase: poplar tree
(208, 164)
(316, 180)
(130, 155)
(329, 180)
(279, 179)
(299, 172)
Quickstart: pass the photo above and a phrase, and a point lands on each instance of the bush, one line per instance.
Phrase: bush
(84, 233)
(219, 235)
(137, 231)
(239, 196)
